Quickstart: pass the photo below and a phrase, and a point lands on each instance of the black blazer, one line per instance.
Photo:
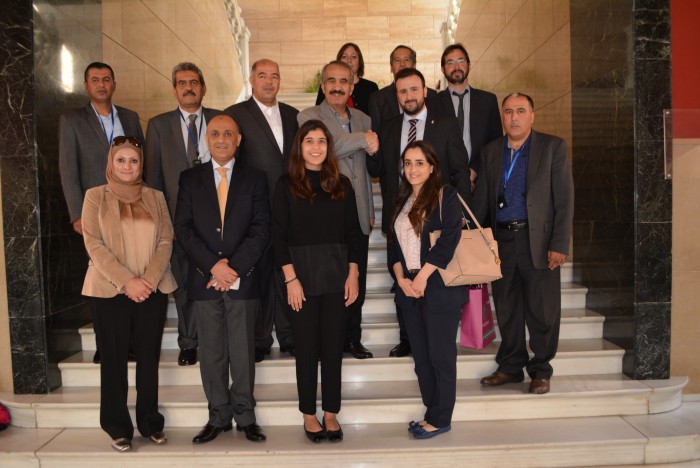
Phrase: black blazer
(443, 133)
(384, 105)
(246, 228)
(259, 149)
(550, 193)
(440, 298)
(484, 119)
(165, 154)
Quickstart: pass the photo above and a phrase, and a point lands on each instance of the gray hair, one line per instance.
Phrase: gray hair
(337, 63)
(187, 66)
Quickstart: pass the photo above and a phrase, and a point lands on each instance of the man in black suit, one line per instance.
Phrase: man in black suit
(84, 138)
(420, 123)
(476, 110)
(526, 192)
(175, 143)
(223, 224)
(268, 128)
(383, 104)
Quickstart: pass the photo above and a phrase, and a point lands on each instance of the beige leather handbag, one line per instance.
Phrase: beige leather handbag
(476, 258)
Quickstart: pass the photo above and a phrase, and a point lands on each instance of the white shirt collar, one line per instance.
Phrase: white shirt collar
(228, 165)
(422, 115)
(186, 114)
(264, 107)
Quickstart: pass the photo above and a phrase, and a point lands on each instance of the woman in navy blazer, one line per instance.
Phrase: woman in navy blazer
(431, 309)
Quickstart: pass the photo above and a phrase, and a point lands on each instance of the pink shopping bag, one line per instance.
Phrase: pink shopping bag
(477, 319)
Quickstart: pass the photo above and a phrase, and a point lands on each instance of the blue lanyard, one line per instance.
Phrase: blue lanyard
(196, 142)
(514, 159)
(99, 117)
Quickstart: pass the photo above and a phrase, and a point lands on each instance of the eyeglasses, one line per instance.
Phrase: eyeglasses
(459, 61)
(120, 140)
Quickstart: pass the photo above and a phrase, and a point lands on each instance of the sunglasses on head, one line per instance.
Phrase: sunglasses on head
(120, 140)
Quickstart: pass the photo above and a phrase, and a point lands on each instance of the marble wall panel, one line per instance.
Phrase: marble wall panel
(652, 340)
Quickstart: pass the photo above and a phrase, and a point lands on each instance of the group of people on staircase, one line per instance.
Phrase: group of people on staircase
(259, 218)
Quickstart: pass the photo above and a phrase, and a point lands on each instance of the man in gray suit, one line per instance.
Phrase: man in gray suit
(353, 139)
(174, 143)
(526, 192)
(268, 128)
(84, 138)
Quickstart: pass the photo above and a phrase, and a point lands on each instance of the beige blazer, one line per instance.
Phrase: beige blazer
(106, 274)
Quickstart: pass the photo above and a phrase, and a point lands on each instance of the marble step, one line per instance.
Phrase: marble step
(575, 357)
(629, 440)
(381, 329)
(393, 402)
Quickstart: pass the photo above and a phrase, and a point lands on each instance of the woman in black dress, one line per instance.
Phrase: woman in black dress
(317, 241)
(359, 99)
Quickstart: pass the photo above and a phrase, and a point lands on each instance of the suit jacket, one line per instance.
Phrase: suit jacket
(102, 232)
(350, 151)
(443, 133)
(440, 298)
(82, 152)
(484, 119)
(166, 153)
(259, 149)
(384, 105)
(246, 229)
(550, 193)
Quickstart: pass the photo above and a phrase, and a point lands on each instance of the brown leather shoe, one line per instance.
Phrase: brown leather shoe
(499, 378)
(539, 386)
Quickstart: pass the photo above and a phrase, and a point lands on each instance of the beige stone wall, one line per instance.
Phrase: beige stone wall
(303, 35)
(144, 39)
(685, 251)
(522, 45)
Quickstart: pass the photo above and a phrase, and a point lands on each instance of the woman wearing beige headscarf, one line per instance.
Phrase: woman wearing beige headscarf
(128, 236)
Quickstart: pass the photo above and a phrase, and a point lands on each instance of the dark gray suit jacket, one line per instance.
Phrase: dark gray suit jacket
(384, 105)
(441, 131)
(166, 153)
(550, 193)
(484, 119)
(259, 149)
(82, 152)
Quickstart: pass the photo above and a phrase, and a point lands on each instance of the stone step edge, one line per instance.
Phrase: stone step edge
(651, 397)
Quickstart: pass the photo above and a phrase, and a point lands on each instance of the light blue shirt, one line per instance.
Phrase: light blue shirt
(201, 123)
(217, 176)
(111, 125)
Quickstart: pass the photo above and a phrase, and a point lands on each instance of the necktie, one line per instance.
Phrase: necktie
(192, 153)
(222, 193)
(412, 131)
(460, 108)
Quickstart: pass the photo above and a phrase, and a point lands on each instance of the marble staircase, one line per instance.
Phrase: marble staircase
(594, 415)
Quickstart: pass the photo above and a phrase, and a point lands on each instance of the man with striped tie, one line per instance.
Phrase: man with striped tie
(417, 122)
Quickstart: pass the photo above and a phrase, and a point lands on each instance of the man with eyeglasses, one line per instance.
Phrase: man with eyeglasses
(383, 104)
(476, 110)
(84, 138)
(175, 142)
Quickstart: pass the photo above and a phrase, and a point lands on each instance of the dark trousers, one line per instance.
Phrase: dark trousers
(432, 337)
(525, 296)
(272, 306)
(319, 332)
(354, 328)
(117, 318)
(186, 326)
(226, 331)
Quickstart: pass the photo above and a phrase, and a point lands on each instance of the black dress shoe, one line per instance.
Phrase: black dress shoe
(260, 354)
(209, 433)
(357, 350)
(400, 350)
(187, 357)
(96, 358)
(287, 349)
(253, 432)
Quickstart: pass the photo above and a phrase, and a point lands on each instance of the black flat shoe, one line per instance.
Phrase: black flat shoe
(333, 436)
(315, 437)
(357, 350)
(288, 349)
(253, 432)
(209, 433)
(401, 350)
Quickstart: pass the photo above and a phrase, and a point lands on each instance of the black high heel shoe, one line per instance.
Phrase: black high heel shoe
(333, 436)
(315, 437)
